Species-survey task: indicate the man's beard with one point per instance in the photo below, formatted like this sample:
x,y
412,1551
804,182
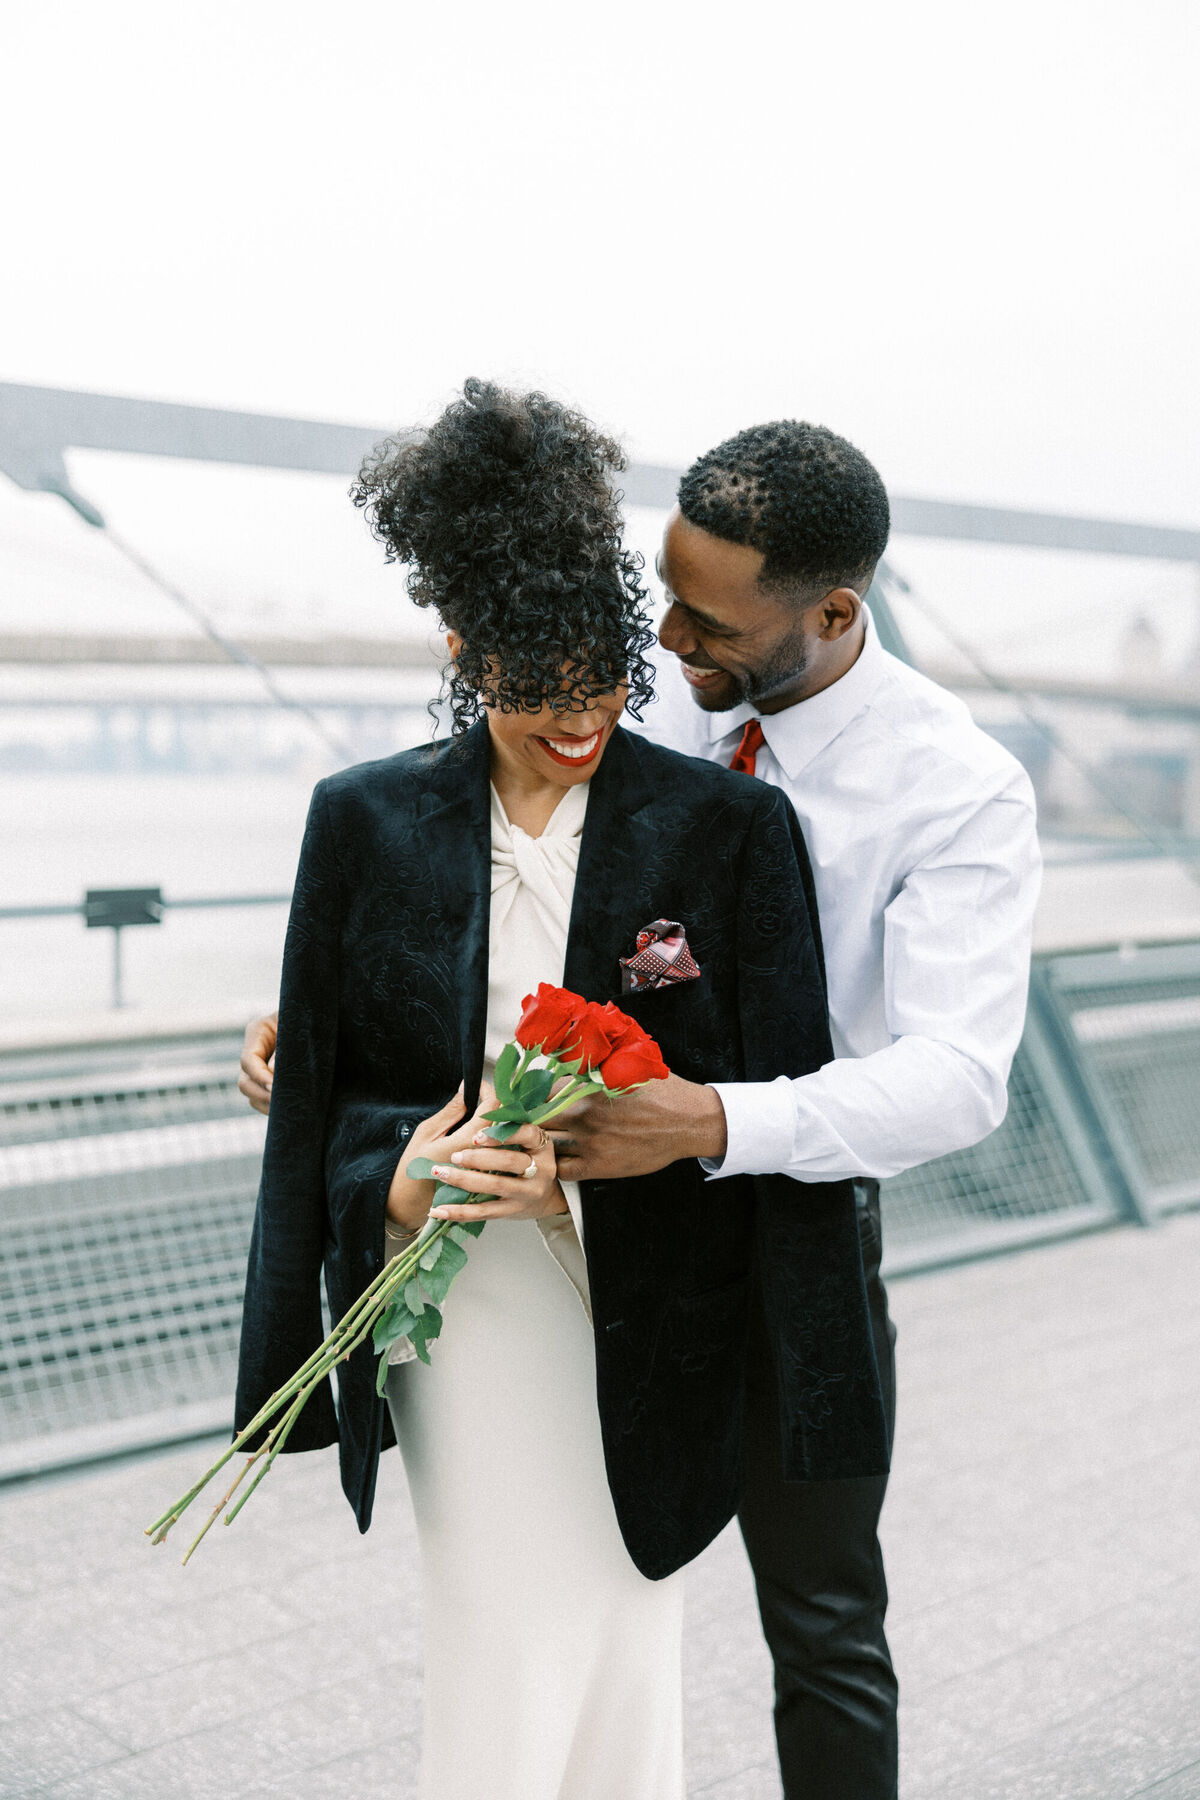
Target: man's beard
x,y
785,665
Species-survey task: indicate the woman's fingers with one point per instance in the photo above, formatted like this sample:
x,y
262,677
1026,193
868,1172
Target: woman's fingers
x,y
503,1160
447,1115
481,1182
480,1209
529,1137
487,1101
258,1062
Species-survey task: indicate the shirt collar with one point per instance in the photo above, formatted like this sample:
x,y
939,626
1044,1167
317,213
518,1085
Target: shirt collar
x,y
798,733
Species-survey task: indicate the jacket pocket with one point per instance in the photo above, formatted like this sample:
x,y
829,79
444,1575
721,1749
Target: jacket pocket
x,y
643,1002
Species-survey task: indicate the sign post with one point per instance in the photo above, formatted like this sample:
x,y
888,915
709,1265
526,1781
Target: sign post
x,y
114,908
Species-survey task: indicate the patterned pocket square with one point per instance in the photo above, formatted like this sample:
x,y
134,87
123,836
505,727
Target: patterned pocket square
x,y
661,959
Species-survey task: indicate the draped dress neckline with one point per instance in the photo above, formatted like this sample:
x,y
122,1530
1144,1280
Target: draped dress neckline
x,y
533,887
532,890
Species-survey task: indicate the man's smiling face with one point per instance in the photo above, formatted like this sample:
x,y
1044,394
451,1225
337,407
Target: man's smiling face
x,y
736,639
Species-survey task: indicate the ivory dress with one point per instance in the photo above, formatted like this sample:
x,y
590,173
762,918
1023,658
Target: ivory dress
x,y
552,1666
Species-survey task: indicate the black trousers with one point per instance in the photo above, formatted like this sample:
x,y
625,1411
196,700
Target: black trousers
x,y
818,1570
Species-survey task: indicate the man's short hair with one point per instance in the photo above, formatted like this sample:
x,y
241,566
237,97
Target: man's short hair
x,y
808,500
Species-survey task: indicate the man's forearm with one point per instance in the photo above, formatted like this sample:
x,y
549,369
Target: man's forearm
x,y
871,1116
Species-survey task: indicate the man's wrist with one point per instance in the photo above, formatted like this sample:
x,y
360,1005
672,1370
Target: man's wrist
x,y
709,1133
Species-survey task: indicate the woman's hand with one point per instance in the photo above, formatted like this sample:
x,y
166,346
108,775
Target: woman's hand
x,y
521,1174
258,1061
438,1137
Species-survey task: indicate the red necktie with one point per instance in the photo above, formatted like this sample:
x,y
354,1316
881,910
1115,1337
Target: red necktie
x,y
748,749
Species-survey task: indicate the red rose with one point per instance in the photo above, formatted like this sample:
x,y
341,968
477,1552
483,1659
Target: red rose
x,y
634,1057
591,1037
548,1017
633,1064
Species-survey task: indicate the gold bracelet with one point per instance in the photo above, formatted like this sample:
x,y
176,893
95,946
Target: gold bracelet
x,y
401,1232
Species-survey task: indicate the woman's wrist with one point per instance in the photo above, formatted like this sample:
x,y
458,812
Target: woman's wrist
x,y
408,1202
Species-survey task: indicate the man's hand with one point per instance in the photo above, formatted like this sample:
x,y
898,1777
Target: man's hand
x,y
660,1123
258,1061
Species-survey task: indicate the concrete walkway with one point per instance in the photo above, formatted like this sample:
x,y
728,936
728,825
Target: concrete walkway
x,y
1043,1533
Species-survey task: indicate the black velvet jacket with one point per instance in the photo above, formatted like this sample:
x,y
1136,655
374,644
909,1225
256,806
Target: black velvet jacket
x,y
382,1011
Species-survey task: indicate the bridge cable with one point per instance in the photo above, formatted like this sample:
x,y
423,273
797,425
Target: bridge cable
x,y
234,651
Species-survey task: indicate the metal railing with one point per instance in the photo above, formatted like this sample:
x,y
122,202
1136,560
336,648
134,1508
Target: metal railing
x,y
109,909
1131,1020
128,1174
1042,1175
127,1183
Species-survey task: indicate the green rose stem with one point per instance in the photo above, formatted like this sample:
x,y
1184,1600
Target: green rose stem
x,y
357,1324
343,1340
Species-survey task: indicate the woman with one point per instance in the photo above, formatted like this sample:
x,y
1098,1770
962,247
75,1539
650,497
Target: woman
x,y
577,1437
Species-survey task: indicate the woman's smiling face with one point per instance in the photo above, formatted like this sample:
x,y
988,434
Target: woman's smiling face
x,y
549,746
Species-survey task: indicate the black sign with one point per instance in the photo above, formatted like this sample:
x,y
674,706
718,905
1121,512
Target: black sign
x,y
115,907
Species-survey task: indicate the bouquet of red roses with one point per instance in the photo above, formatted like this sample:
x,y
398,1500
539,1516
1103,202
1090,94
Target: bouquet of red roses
x,y
565,1048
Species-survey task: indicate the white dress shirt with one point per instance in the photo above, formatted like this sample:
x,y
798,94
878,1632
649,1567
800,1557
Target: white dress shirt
x,y
921,831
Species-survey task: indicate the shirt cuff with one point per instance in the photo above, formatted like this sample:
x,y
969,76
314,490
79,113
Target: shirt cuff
x,y
760,1124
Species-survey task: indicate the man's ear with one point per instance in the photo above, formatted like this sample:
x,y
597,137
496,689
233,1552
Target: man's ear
x,y
839,611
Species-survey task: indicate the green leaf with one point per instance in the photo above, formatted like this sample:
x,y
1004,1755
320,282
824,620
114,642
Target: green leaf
x,y
430,1256
381,1377
419,1169
427,1328
505,1130
506,1064
412,1297
445,1195
470,1228
534,1088
397,1322
437,1281
454,1257
517,1113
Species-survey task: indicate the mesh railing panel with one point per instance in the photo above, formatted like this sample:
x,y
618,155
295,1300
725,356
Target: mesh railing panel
x,y
127,1183
1021,1182
125,1214
1139,1044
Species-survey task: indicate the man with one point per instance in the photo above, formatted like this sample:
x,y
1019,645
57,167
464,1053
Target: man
x,y
921,834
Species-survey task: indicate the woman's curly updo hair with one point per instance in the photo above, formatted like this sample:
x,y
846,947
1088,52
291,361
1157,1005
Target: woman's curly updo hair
x,y
505,514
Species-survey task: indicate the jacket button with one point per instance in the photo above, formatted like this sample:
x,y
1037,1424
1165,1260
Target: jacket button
x,y
404,1132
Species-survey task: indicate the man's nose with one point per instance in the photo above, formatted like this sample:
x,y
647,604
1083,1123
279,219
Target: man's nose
x,y
674,634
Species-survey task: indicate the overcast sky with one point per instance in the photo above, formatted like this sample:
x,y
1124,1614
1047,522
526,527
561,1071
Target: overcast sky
x,y
964,236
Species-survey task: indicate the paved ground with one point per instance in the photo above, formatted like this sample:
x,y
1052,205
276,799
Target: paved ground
x,y
1043,1545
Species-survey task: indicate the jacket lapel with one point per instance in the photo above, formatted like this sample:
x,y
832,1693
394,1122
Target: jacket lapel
x,y
618,840
453,833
